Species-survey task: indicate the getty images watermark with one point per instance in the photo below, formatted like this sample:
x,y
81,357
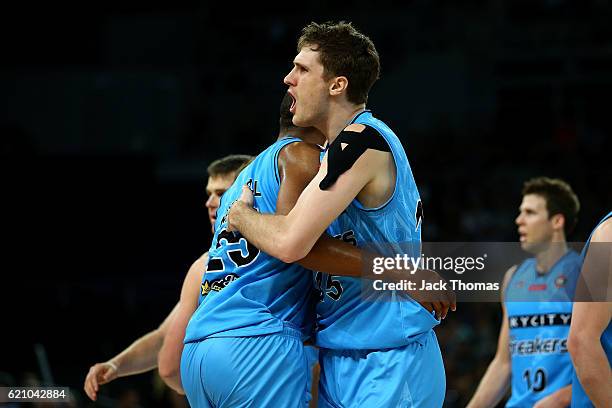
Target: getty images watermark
x,y
411,265
483,271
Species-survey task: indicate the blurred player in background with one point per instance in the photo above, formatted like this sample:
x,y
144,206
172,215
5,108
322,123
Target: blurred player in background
x,y
372,353
532,355
590,338
141,356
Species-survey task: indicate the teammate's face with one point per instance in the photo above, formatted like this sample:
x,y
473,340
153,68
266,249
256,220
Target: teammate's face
x,y
534,226
214,189
308,88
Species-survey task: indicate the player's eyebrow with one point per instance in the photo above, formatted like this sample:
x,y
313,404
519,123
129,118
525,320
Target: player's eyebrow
x,y
300,65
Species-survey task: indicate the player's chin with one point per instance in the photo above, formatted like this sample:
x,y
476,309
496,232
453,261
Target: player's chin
x,y
300,121
532,247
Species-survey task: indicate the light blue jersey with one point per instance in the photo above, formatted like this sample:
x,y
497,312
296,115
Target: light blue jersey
x,y
347,320
378,349
539,320
579,396
246,292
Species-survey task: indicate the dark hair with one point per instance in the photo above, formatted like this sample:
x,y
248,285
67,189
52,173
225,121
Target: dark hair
x,y
228,165
285,116
559,197
344,51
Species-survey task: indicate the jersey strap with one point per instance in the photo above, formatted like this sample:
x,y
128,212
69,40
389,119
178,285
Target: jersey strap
x,y
347,148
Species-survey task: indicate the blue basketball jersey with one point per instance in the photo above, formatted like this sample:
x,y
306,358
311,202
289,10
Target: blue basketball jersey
x,y
539,320
579,396
349,318
246,292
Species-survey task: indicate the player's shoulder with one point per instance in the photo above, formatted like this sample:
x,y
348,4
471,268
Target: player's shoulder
x,y
298,153
200,263
362,136
509,275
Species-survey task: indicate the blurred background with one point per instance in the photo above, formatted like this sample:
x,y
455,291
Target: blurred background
x,y
110,115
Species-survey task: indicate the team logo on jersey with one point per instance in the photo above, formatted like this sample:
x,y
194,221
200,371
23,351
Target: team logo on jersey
x,y
555,345
560,281
540,320
217,284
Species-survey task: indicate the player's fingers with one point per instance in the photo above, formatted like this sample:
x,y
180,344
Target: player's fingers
x,y
438,309
247,195
94,377
444,309
89,388
428,306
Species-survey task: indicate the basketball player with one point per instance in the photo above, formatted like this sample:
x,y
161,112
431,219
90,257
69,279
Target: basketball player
x,y
141,355
372,353
532,356
590,338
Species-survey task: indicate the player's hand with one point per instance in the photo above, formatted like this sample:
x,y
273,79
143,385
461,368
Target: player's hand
x,y
246,196
435,300
100,373
245,200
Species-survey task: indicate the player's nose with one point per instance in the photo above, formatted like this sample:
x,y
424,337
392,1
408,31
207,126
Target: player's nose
x,y
289,78
210,202
518,220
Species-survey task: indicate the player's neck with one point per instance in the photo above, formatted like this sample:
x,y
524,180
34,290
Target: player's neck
x,y
546,259
308,135
340,116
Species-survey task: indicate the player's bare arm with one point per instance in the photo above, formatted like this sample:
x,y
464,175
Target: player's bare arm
x,y
298,164
589,320
139,357
496,381
169,357
291,237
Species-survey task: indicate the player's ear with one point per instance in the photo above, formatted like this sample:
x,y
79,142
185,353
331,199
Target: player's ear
x,y
338,85
558,221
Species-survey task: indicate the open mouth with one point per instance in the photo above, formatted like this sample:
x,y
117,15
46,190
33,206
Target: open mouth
x,y
292,108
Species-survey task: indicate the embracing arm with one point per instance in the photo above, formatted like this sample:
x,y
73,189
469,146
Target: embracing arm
x,y
298,164
291,237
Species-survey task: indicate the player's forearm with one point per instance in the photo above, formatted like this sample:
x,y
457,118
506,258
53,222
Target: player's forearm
x,y
335,257
140,356
592,368
493,385
270,233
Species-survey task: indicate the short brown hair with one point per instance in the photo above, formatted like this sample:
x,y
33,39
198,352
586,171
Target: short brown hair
x,y
344,51
228,165
559,197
